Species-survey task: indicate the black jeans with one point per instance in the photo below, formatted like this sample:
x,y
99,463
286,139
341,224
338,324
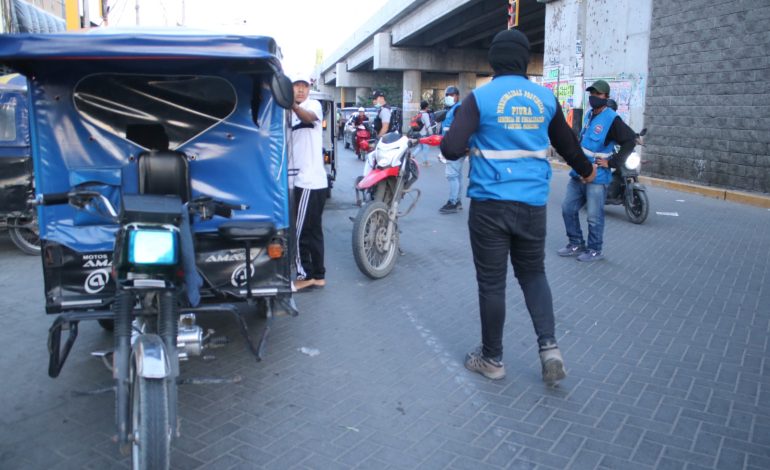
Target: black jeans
x,y
309,207
500,229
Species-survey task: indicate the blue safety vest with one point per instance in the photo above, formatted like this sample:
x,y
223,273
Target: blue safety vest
x,y
450,116
509,149
592,138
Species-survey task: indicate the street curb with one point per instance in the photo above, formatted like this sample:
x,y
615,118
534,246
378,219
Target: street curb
x,y
740,197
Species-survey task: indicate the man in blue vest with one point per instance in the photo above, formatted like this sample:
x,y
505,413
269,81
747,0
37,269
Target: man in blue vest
x,y
454,169
602,130
507,125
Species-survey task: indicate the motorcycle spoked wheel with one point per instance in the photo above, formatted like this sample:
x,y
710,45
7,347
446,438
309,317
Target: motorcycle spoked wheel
x,y
24,233
150,427
637,207
369,239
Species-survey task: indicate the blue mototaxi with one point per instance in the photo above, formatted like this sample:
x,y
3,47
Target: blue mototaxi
x,y
102,99
16,165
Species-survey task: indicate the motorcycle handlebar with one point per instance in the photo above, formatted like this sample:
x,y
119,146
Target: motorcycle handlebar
x,y
51,199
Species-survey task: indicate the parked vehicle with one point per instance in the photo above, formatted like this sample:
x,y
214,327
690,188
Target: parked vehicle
x,y
16,176
392,176
328,126
161,179
631,193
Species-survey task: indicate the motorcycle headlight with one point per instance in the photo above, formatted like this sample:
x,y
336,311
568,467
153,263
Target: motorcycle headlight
x,y
388,157
633,161
152,247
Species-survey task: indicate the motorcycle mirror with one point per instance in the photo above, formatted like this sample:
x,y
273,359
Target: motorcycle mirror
x,y
644,131
283,90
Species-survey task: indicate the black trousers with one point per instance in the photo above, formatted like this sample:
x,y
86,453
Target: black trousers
x,y
309,208
499,229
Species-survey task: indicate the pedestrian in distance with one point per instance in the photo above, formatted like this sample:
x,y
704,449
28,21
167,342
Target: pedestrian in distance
x,y
424,131
506,126
310,185
382,122
602,130
454,168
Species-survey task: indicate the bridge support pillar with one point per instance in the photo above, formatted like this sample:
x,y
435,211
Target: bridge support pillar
x,y
466,83
363,96
412,95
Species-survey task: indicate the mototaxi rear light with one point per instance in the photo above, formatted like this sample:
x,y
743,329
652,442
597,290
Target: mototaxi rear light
x,y
275,250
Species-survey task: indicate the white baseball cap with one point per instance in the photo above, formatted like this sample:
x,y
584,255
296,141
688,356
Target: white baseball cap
x,y
300,77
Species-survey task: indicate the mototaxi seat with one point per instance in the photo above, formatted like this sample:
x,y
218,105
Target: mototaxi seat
x,y
164,172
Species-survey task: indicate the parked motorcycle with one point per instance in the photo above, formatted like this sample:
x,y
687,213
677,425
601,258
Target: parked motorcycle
x,y
391,177
630,192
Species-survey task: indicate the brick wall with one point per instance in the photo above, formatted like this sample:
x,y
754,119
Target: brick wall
x,y
708,96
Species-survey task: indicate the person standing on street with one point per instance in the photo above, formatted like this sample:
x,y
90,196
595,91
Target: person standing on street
x,y
507,125
310,185
602,130
381,123
454,168
424,132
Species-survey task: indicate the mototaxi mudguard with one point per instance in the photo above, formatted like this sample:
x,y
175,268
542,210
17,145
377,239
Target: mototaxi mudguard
x,y
150,358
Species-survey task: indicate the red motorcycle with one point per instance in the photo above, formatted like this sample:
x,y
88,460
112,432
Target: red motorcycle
x,y
363,141
391,172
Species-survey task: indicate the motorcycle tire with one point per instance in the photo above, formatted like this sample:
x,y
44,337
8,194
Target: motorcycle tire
x,y
151,447
638,207
24,234
369,232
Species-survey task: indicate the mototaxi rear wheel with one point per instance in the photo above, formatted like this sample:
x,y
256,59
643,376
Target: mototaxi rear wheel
x,y
374,253
24,233
637,206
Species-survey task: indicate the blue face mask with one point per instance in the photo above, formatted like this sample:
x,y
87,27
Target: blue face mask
x,y
449,100
377,105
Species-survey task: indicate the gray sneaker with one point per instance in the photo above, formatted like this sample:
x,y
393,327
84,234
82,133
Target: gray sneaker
x,y
553,364
590,256
571,250
475,361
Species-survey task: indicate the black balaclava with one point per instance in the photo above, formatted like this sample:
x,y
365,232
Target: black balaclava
x,y
509,53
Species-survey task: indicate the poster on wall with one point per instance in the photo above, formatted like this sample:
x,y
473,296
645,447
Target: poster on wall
x,y
568,89
622,91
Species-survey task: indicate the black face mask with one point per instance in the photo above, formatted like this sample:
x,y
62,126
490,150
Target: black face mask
x,y
597,102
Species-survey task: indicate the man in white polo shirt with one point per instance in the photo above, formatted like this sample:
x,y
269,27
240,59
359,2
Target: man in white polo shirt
x,y
310,185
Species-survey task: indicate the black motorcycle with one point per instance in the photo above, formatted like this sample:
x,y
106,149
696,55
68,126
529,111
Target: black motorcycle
x,y
625,188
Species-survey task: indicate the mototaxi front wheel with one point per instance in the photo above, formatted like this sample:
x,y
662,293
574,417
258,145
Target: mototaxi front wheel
x,y
637,206
24,233
151,430
374,252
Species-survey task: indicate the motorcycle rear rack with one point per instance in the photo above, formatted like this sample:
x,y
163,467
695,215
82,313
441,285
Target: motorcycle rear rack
x,y
69,321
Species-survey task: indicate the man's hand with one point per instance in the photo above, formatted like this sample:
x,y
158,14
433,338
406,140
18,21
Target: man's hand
x,y
603,162
591,177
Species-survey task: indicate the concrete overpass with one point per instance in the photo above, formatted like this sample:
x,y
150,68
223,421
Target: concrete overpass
x,y
414,48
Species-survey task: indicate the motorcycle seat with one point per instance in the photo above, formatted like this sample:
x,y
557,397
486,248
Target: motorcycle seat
x,y
247,230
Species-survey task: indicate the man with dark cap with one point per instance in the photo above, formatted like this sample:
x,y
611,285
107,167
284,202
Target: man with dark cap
x,y
454,168
381,123
506,125
602,130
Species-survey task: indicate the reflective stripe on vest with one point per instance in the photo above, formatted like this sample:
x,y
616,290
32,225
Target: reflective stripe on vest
x,y
509,154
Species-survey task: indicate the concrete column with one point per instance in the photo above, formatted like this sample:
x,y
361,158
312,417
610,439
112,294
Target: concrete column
x,y
363,93
412,94
466,82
